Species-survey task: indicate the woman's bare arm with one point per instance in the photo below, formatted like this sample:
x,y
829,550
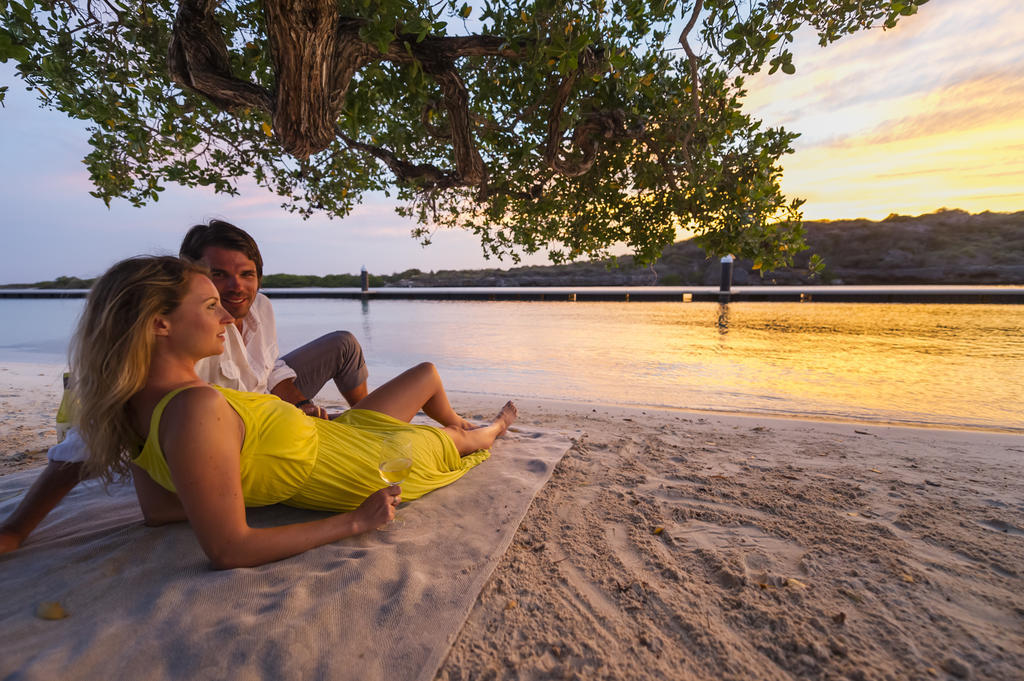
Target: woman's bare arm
x,y
201,436
159,506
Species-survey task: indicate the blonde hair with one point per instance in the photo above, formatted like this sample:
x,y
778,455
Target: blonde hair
x,y
112,349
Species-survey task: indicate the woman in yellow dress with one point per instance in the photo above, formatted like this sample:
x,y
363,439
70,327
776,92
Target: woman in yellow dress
x,y
202,453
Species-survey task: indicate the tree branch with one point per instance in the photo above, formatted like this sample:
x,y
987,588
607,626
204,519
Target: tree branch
x,y
469,166
694,87
198,60
605,124
316,54
304,41
453,47
351,54
690,56
426,175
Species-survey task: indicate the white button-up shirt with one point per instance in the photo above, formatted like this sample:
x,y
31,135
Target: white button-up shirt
x,y
250,360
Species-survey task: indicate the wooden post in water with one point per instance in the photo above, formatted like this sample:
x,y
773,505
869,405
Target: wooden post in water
x,y
725,285
364,280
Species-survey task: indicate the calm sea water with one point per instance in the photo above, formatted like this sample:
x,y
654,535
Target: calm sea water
x,y
956,365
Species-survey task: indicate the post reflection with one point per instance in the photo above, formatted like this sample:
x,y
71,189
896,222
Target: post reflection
x,y
364,308
723,319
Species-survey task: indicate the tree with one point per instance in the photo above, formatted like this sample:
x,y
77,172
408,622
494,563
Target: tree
x,y
565,124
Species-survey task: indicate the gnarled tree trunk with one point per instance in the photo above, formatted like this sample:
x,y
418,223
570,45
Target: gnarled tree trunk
x,y
316,53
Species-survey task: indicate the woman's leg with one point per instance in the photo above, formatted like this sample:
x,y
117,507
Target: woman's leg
x,y
417,388
420,388
469,440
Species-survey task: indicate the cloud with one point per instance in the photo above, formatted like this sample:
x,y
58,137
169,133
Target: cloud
x,y
992,99
957,170
867,77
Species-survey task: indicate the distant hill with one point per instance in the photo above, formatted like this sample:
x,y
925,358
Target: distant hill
x,y
945,247
58,283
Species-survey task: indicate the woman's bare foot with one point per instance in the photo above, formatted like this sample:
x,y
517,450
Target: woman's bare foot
x,y
482,437
506,417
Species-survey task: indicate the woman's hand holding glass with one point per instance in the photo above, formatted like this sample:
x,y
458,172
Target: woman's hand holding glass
x,y
394,463
379,508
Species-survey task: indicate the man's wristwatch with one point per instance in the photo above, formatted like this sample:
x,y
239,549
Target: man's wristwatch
x,y
303,403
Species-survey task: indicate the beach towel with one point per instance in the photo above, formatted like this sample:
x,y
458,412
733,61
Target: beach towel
x,y
143,603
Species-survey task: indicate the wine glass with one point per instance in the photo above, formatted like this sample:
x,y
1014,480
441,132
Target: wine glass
x,y
394,469
395,462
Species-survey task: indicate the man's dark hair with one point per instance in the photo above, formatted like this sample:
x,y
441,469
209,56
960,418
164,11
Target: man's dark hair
x,y
224,235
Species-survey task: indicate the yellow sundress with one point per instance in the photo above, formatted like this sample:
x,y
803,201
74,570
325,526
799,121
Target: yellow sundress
x,y
297,460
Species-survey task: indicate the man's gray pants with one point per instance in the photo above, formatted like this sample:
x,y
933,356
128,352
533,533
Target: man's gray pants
x,y
336,356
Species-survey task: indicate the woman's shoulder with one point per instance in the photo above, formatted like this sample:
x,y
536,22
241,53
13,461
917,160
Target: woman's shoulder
x,y
196,410
193,401
189,399
181,408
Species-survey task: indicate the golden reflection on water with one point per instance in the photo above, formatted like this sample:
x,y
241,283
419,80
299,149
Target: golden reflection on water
x,y
938,364
927,364
916,362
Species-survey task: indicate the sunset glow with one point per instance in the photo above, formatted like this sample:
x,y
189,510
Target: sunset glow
x,y
926,116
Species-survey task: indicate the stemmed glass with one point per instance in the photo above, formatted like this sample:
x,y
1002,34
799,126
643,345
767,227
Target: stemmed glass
x,y
394,469
395,462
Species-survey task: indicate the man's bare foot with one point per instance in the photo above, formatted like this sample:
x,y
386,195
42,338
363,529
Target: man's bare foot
x,y
506,417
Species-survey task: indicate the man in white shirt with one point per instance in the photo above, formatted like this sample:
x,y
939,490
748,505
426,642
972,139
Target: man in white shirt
x,y
250,362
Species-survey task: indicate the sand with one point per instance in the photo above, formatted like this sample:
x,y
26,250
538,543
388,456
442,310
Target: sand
x,y
678,545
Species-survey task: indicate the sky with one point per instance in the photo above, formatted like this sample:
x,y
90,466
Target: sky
x,y
925,116
929,115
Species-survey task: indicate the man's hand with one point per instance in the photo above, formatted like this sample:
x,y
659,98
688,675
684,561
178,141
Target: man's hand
x,y
287,391
9,540
52,485
310,409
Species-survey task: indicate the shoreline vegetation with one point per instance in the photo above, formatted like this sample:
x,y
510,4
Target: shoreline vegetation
x,y
945,247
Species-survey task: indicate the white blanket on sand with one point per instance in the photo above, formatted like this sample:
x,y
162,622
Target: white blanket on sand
x,y
142,602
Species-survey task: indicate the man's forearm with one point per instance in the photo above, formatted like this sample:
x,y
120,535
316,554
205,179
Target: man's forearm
x,y
52,485
287,391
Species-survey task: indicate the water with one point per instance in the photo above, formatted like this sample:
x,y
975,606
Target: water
x,y
949,365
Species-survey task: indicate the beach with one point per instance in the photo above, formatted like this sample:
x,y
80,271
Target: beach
x,y
686,545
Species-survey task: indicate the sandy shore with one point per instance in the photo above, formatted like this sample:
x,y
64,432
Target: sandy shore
x,y
29,395
674,545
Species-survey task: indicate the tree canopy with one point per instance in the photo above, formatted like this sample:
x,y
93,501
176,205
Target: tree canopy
x,y
570,125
